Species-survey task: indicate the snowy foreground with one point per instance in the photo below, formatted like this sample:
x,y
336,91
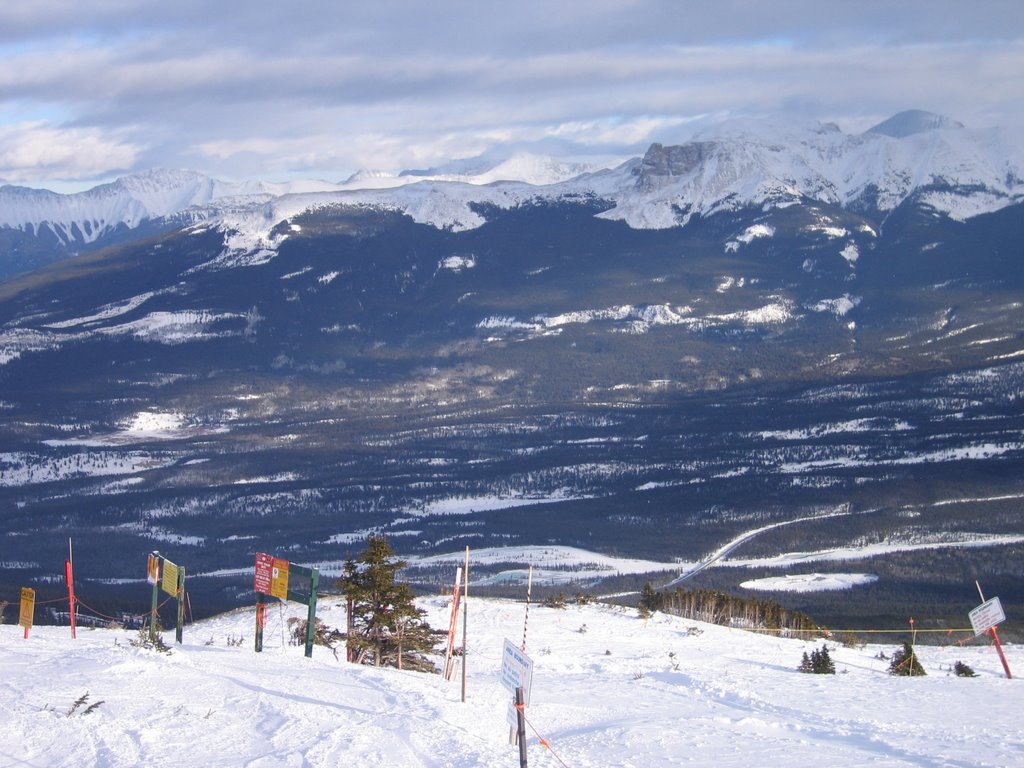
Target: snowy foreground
x,y
609,689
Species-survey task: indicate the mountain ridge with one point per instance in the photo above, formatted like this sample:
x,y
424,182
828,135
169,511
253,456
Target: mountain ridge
x,y
956,172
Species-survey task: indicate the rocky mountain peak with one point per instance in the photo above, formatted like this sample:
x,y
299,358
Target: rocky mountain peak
x,y
661,164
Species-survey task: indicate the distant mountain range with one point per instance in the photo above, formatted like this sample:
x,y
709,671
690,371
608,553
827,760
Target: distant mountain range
x,y
767,324
770,164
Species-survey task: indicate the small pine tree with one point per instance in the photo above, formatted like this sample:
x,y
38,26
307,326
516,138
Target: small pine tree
x,y
962,670
805,664
385,626
650,601
904,663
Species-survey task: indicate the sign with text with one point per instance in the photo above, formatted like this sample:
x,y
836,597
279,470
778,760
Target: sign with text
x,y
170,580
516,670
271,576
987,615
153,569
28,608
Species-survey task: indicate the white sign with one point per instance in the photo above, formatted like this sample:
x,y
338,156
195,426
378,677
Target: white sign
x,y
987,615
516,670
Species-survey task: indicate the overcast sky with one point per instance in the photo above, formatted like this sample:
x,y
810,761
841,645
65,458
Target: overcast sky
x,y
92,89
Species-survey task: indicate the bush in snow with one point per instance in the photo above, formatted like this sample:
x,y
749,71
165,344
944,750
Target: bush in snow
x,y
962,670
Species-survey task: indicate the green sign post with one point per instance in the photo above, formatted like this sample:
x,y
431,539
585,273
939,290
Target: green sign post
x,y
173,583
274,577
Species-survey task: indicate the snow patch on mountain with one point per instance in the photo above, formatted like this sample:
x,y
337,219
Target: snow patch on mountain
x,y
457,263
851,253
177,327
839,306
642,318
155,423
748,236
106,312
810,582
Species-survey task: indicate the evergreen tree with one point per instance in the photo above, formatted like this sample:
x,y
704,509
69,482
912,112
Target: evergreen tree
x,y
904,663
650,601
385,627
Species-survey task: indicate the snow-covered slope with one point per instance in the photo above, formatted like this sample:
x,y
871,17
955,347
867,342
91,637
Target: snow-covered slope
x,y
609,689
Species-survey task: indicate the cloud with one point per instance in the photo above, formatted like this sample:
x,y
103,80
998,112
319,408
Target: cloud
x,y
265,88
31,150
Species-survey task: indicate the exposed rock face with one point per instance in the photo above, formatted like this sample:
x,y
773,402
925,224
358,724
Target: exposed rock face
x,y
661,164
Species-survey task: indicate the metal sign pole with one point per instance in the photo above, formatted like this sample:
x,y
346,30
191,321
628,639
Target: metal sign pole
x,y
314,585
153,605
521,726
261,620
994,634
181,604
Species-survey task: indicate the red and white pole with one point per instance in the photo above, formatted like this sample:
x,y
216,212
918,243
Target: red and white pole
x,y
69,577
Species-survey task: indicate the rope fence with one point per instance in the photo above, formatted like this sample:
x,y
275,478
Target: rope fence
x,y
540,739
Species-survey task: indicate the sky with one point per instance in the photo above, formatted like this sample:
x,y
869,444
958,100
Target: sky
x,y
93,89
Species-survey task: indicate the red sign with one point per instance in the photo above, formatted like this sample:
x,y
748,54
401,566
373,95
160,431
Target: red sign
x,y
271,576
264,572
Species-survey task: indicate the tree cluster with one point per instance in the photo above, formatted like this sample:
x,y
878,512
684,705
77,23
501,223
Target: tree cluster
x,y
729,610
819,662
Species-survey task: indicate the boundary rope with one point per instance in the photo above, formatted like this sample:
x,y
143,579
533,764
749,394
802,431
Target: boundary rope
x,y
543,742
826,631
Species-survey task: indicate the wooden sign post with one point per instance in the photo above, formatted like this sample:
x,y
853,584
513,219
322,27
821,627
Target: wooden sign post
x,y
28,609
153,577
165,575
273,577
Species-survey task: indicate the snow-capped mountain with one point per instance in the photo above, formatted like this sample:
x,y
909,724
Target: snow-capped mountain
x,y
957,172
84,217
767,164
